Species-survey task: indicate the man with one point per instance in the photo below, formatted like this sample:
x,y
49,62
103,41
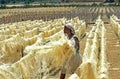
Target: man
x,y
75,60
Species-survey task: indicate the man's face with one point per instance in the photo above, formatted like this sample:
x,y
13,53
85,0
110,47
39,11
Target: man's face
x,y
67,32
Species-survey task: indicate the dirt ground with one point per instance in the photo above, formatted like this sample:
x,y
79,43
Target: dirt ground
x,y
113,53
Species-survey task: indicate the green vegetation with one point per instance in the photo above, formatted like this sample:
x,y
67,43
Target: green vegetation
x,y
51,3
30,1
117,2
46,1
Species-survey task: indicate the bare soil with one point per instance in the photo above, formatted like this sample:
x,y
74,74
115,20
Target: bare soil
x,y
113,53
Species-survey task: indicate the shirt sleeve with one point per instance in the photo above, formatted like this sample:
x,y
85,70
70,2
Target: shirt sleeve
x,y
76,46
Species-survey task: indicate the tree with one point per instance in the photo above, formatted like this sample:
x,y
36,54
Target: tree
x,y
13,1
117,2
27,2
62,0
2,1
65,0
109,0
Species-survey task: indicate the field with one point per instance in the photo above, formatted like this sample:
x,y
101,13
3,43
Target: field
x,y
33,46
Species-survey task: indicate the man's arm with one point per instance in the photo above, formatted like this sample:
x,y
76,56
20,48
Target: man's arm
x,y
77,46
